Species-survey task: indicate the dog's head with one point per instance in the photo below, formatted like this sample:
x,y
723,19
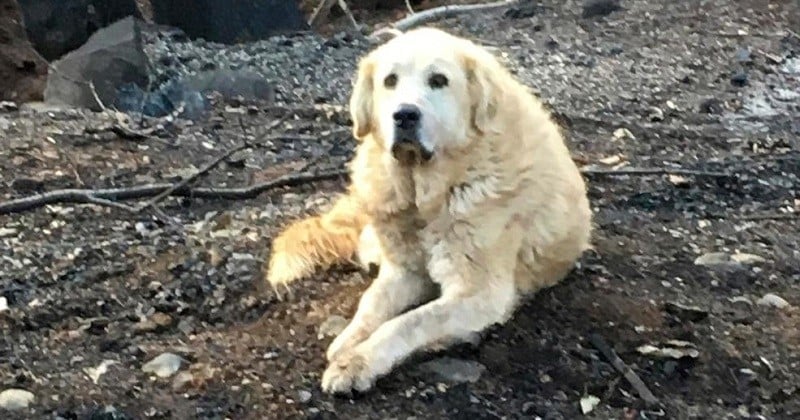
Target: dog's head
x,y
424,92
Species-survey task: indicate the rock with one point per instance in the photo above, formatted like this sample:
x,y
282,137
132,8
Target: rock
x,y
108,412
8,106
232,21
748,259
3,304
739,79
588,403
723,259
523,10
163,365
15,399
303,396
453,370
655,114
771,299
23,72
686,313
596,8
743,56
111,58
332,326
671,349
712,106
94,373
56,27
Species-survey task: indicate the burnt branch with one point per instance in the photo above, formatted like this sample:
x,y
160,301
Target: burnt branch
x,y
107,196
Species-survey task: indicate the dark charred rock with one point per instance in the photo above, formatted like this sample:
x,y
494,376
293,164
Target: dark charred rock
x,y
22,70
111,58
57,27
230,21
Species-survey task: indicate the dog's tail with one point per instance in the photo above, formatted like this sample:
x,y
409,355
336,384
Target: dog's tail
x,y
316,242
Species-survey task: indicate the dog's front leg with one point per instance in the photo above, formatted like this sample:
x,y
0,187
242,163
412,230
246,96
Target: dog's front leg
x,y
394,290
476,293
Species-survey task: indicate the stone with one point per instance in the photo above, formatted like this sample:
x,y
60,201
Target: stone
x,y
23,72
231,21
108,412
304,396
596,8
56,27
771,299
111,58
15,399
163,365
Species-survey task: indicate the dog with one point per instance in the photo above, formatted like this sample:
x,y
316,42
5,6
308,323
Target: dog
x,y
462,192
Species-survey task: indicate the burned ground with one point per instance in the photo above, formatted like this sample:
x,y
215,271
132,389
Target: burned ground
x,y
711,86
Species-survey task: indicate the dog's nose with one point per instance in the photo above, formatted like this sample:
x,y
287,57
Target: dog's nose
x,y
407,116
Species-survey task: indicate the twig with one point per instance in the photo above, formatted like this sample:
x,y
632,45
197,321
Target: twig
x,y
653,171
636,382
210,165
73,166
445,12
97,97
349,14
773,216
410,9
150,190
189,179
323,5
108,203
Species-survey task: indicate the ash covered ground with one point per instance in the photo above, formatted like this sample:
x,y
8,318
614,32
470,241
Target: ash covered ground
x,y
95,293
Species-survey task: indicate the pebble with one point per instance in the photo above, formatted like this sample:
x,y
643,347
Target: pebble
x,y
3,304
163,365
303,396
7,106
771,299
724,258
739,79
454,370
15,399
655,114
594,8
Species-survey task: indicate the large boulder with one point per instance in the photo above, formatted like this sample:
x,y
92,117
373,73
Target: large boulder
x,y
230,21
113,57
22,70
56,27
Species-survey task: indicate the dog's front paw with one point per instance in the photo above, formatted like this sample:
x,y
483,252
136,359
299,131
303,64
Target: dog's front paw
x,y
350,371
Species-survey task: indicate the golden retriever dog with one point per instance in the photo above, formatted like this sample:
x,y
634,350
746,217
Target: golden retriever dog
x,y
462,192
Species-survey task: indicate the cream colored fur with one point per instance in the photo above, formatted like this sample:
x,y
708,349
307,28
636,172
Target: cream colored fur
x,y
500,211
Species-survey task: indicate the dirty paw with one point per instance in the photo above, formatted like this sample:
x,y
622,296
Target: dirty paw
x,y
349,372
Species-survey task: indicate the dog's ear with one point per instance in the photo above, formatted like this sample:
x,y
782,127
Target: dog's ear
x,y
484,91
361,99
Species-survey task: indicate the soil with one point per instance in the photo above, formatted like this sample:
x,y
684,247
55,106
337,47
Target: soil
x,y
86,284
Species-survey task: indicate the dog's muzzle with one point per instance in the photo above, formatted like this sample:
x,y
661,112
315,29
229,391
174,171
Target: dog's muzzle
x,y
406,147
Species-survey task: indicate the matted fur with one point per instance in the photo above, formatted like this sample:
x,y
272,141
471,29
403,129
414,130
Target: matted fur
x,y
499,211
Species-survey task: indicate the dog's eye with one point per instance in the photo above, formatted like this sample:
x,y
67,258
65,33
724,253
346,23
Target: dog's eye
x,y
437,81
390,81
